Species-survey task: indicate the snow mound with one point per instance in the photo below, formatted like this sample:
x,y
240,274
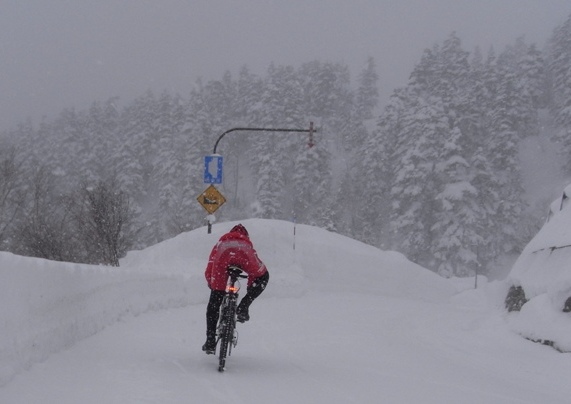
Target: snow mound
x,y
47,306
299,256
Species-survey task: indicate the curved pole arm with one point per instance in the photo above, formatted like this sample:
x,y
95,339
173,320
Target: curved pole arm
x,y
310,131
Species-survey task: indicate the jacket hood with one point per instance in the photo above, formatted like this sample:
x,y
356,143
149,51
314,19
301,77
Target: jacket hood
x,y
239,228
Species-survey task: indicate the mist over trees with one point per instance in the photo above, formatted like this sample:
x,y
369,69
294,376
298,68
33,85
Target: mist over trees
x,y
435,175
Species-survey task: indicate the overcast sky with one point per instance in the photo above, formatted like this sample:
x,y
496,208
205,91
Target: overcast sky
x,y
56,54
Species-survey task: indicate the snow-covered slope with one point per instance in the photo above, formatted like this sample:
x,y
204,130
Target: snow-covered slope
x,y
46,306
339,322
298,259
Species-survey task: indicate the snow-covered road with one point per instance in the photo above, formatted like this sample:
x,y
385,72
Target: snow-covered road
x,y
322,348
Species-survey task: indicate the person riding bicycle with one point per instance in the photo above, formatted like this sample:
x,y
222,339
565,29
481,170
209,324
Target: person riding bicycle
x,y
232,249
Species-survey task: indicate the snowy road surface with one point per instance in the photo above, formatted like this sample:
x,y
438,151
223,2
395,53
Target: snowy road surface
x,y
322,348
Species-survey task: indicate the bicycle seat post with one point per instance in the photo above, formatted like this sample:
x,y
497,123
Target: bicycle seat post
x,y
235,272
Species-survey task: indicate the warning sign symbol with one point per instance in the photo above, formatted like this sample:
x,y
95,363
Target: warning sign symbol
x,y
211,199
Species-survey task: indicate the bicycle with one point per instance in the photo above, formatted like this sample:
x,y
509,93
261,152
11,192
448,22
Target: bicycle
x,y
226,332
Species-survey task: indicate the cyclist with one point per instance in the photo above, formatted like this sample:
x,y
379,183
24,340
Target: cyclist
x,y
233,248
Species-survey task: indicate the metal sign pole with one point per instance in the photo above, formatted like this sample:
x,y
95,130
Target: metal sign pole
x,y
311,131
211,199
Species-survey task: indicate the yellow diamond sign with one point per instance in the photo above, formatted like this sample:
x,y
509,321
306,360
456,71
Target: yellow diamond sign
x,y
211,199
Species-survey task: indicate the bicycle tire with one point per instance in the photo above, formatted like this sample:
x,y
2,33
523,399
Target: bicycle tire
x,y
227,333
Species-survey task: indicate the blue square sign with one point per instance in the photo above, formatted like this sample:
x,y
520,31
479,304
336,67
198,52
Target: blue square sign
x,y
213,169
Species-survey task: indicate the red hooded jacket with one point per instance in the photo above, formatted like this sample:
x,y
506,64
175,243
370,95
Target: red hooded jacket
x,y
233,248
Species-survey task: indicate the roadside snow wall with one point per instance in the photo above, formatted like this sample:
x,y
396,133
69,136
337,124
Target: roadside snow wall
x,y
46,306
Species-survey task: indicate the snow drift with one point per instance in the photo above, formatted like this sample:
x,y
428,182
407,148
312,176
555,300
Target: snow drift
x,y
46,306
340,321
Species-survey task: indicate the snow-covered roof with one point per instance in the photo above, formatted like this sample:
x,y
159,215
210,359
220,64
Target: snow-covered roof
x,y
545,263
543,270
556,232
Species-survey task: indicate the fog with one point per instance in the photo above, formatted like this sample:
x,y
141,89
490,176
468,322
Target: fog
x,y
57,54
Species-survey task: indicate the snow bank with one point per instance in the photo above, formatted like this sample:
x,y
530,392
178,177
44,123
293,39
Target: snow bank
x,y
300,256
46,306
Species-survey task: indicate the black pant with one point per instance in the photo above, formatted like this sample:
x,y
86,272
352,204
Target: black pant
x,y
216,297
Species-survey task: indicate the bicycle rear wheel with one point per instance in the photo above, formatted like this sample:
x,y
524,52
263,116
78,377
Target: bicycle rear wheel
x,y
226,335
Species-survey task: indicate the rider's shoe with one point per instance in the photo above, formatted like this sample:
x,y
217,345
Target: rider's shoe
x,y
209,346
242,315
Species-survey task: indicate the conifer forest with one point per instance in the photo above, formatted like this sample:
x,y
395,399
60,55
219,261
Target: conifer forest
x,y
434,174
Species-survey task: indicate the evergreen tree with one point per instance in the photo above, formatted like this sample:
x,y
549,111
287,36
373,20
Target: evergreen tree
x,y
519,67
243,111
443,122
282,106
455,222
101,126
270,184
367,97
377,171
416,184
502,150
312,199
67,132
330,103
169,174
138,147
559,69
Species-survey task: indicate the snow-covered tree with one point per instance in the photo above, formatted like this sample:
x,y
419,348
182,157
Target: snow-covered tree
x,y
416,183
559,70
367,97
